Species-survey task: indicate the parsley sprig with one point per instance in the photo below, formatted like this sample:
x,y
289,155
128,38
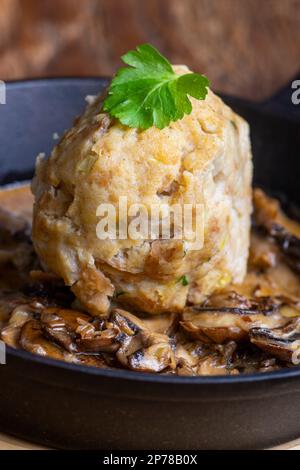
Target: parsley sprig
x,y
183,280
149,93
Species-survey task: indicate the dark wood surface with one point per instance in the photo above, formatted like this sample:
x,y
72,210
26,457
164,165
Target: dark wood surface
x,y
246,47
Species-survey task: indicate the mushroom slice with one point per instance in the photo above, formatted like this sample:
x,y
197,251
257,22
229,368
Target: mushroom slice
x,y
213,327
188,354
91,360
231,358
32,340
184,369
19,315
130,337
155,358
61,325
227,300
284,231
249,359
283,343
232,302
289,245
128,323
93,340
11,333
165,323
213,365
221,324
121,334
141,349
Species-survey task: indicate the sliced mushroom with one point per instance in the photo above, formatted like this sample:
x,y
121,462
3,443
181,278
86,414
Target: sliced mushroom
x,y
155,358
11,333
92,340
141,349
285,232
201,327
33,340
213,365
213,323
248,359
233,302
20,314
283,343
184,369
91,360
165,323
197,358
289,245
188,354
226,300
75,330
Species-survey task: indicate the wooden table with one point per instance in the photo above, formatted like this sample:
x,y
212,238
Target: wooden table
x,y
11,443
246,47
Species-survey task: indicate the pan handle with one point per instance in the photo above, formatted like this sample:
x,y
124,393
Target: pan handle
x,y
286,102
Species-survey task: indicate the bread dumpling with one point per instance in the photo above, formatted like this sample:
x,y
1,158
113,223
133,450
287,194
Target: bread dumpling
x,y
204,158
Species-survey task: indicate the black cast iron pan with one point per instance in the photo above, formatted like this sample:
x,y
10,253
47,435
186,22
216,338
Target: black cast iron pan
x,y
75,407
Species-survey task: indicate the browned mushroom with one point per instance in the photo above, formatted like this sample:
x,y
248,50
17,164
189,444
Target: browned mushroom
x,y
155,358
165,323
232,321
284,231
140,348
33,340
95,340
55,329
197,358
188,354
77,331
212,365
90,360
11,333
21,312
283,343
184,369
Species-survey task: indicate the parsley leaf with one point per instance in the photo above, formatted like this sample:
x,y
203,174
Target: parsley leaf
x,y
149,93
183,280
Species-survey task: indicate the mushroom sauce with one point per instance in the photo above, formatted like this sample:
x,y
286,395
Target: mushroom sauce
x,y
251,327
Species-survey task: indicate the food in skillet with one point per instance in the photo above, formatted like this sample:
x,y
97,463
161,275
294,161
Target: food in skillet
x,y
92,302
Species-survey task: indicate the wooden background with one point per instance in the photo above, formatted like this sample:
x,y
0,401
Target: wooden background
x,y
246,47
